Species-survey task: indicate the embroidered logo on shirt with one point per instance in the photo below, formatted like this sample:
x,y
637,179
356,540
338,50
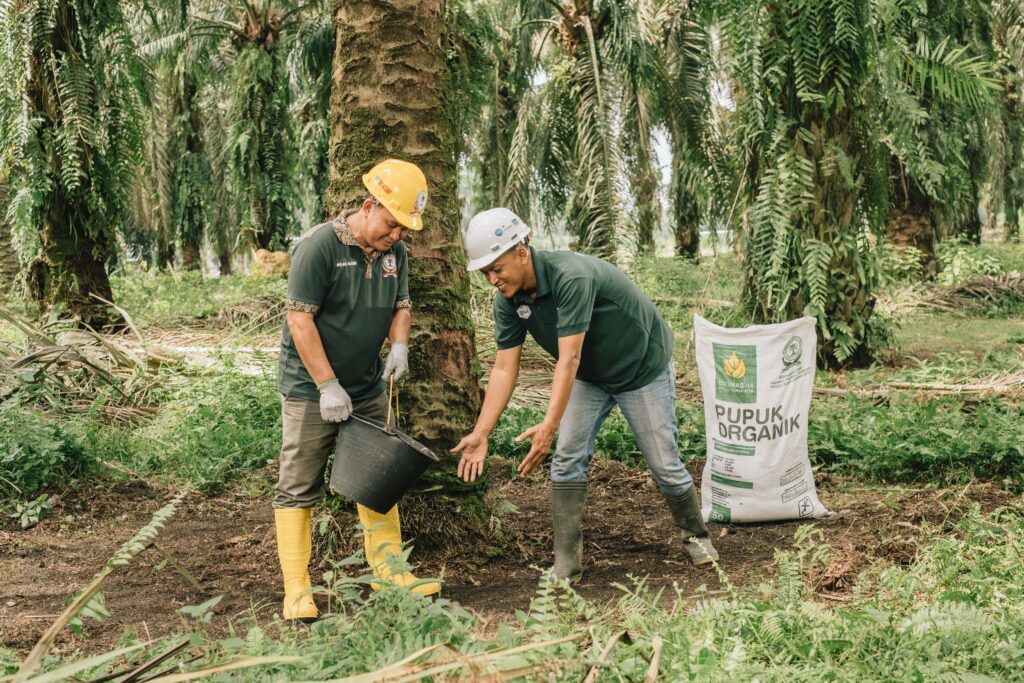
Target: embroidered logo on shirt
x,y
344,264
390,265
524,312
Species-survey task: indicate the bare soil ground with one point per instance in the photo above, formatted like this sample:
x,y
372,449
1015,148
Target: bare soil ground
x,y
226,542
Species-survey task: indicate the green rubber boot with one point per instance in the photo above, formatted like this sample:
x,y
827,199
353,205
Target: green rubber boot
x,y
568,508
686,514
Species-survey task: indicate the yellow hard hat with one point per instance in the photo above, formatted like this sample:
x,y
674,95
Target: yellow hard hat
x,y
401,188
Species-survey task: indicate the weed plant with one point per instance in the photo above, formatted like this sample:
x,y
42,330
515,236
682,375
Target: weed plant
x,y
209,431
36,453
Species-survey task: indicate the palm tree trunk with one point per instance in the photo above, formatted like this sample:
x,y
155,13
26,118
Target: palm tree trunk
x,y
192,222
911,224
70,269
396,104
645,190
10,266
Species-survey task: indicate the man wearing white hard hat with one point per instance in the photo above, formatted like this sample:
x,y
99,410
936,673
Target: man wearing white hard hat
x,y
348,291
612,348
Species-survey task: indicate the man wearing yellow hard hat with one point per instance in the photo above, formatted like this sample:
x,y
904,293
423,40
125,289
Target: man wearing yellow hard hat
x,y
348,290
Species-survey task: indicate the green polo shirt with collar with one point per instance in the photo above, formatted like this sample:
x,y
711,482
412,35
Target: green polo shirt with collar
x,y
627,343
353,299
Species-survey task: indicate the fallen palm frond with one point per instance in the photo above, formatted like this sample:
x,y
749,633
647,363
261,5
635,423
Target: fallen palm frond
x,y
996,385
252,316
485,665
989,290
985,291
1009,385
73,370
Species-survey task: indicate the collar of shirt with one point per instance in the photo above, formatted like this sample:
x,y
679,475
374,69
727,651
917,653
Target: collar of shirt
x,y
342,230
346,237
540,272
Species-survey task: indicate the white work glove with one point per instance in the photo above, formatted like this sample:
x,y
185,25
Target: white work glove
x,y
397,361
335,404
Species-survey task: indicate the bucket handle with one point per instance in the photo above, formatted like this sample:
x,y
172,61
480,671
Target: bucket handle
x,y
391,424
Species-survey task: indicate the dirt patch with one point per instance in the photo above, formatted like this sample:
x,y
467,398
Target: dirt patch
x,y
226,542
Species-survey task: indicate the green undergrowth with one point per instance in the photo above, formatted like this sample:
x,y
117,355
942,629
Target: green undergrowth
x,y
161,298
36,452
210,430
955,613
937,442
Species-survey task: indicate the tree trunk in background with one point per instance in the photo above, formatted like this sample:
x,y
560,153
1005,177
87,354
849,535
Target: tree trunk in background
x,y
164,251
10,266
911,222
389,99
71,265
224,259
971,228
644,184
70,269
1013,179
192,221
686,225
684,212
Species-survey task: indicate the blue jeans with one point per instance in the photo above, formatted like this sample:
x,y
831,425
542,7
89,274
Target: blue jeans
x,y
650,412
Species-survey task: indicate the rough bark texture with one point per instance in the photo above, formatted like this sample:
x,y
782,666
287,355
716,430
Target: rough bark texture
x,y
645,191
70,270
389,99
70,267
685,213
10,267
911,224
192,222
686,225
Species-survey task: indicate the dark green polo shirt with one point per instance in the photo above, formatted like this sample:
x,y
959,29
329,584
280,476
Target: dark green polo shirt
x,y
627,344
353,300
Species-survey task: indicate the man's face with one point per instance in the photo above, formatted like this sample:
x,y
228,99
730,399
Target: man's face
x,y
508,272
382,230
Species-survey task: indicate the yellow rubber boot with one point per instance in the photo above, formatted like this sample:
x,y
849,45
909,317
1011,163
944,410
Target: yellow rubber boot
x,y
382,538
294,546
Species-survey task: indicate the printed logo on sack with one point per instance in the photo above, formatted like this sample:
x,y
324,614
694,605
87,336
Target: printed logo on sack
x,y
735,372
390,265
792,352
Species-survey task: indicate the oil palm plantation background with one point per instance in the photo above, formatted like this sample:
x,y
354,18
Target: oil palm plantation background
x,y
809,135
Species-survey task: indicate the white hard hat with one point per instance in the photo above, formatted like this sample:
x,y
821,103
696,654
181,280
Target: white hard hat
x,y
490,234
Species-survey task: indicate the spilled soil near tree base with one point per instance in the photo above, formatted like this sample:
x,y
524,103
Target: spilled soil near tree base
x,y
226,544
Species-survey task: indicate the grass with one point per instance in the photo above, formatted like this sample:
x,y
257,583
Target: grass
x,y
160,298
211,430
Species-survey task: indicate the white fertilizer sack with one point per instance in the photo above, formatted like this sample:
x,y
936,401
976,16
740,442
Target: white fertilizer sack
x,y
757,384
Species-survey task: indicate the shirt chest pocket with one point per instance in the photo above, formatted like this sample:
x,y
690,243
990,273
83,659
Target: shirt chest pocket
x,y
545,315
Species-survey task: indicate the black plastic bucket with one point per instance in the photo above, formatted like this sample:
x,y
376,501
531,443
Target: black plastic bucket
x,y
375,464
